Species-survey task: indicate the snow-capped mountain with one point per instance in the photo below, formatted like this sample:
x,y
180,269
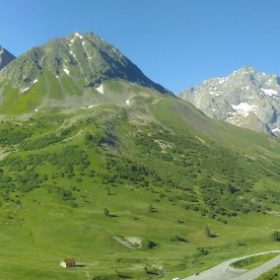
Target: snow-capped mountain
x,y
246,98
5,57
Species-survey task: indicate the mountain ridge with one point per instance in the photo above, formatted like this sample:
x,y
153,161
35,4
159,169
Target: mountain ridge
x,y
61,55
75,68
246,98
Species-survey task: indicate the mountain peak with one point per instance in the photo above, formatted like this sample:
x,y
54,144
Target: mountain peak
x,y
5,57
246,98
78,35
71,72
246,69
85,58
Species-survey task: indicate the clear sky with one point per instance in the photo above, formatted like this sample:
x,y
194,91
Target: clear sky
x,y
178,43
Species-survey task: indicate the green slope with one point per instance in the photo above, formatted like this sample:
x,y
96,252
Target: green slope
x,y
144,191
67,66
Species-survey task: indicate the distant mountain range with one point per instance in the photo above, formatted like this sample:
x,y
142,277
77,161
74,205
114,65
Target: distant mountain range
x,y
5,57
246,98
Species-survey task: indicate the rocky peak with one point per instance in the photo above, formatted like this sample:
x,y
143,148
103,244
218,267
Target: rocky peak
x,y
247,98
5,57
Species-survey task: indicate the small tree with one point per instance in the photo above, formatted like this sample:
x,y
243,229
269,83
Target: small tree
x,y
209,233
106,212
276,235
149,244
152,209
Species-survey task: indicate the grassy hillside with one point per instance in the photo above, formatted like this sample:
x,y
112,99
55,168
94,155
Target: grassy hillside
x,y
150,190
253,262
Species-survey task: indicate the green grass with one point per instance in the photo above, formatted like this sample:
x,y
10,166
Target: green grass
x,y
253,262
163,180
23,103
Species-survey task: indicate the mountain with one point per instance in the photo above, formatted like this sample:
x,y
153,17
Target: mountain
x,y
5,57
67,72
246,98
114,171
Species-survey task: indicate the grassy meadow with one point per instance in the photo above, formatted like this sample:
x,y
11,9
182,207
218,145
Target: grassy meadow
x,y
153,191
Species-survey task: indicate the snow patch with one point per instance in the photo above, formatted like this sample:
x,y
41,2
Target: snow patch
x,y
244,108
23,90
36,110
76,36
71,52
269,91
90,106
66,71
127,102
100,89
276,130
214,93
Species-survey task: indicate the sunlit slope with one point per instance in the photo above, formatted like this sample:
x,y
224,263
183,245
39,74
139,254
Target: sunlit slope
x,y
144,189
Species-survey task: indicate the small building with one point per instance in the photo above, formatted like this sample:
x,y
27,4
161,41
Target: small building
x,y
68,262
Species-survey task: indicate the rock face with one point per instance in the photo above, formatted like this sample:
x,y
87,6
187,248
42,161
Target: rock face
x,y
87,59
5,57
246,98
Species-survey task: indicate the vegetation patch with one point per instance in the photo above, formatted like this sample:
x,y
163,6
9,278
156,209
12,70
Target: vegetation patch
x,y
253,262
71,182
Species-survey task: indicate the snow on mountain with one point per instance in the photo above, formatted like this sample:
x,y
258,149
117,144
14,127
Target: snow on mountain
x,y
246,98
244,108
269,92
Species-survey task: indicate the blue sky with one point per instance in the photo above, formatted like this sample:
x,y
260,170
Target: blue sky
x,y
178,43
